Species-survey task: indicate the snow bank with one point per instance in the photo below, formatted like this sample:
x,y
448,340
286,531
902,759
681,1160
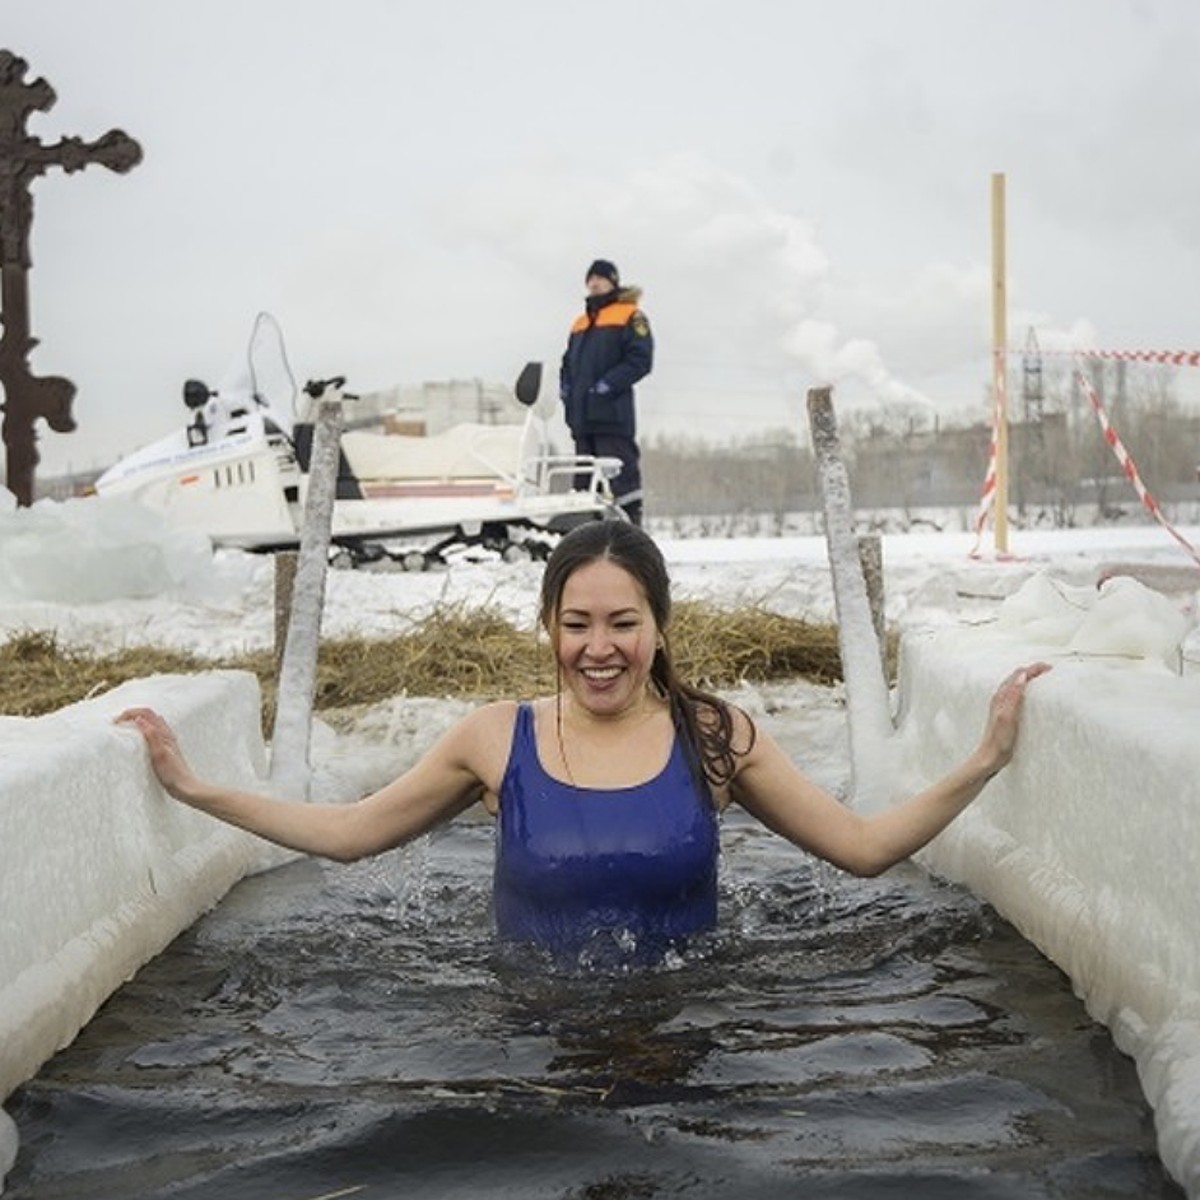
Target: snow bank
x,y
1087,842
98,870
90,549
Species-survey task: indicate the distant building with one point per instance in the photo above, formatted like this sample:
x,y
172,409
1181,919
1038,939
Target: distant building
x,y
63,487
925,467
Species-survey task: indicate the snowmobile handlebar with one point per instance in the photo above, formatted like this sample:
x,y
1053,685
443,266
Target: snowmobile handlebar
x,y
316,388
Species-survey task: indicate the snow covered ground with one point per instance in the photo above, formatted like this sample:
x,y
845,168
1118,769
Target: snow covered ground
x,y
1086,844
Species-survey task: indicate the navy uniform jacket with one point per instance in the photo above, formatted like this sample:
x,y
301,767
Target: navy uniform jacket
x,y
611,343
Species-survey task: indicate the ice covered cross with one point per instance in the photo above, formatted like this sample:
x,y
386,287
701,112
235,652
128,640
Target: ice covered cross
x,y
22,159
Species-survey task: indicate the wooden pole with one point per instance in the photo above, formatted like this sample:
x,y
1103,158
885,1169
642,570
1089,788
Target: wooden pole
x,y
285,582
870,556
1000,363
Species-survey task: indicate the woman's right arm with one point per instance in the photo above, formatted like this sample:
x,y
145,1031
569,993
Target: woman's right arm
x,y
772,788
449,778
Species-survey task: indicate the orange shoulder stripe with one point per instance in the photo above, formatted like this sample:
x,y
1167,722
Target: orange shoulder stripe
x,y
616,314
619,313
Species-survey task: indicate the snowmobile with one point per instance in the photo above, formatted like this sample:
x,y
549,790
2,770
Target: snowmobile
x,y
237,471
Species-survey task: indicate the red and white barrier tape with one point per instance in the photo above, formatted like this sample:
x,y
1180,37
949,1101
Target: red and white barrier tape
x,y
1188,358
1128,466
988,499
1172,358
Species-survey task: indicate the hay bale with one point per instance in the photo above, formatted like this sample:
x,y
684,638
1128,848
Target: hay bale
x,y
456,651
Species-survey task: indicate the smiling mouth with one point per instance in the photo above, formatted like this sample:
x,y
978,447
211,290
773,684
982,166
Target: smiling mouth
x,y
600,674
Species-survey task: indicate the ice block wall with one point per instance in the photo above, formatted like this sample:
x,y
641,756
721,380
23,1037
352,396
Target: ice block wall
x,y
99,869
1088,843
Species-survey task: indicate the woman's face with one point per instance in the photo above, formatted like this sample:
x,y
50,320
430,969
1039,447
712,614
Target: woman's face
x,y
605,637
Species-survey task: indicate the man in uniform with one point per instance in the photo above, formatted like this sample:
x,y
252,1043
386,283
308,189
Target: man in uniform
x,y
609,349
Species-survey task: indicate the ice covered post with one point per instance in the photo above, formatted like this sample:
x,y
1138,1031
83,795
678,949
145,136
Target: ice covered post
x,y
27,398
298,670
867,700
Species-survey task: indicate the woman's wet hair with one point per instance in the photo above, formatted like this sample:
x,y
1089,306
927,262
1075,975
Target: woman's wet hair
x,y
620,542
706,720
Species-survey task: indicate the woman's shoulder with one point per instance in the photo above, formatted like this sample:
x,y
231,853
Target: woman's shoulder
x,y
480,741
494,722
498,717
480,727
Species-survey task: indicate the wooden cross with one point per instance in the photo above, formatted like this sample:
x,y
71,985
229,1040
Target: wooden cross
x,y
22,159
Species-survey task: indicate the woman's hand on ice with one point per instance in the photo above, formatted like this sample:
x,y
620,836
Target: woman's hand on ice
x,y
165,756
1004,716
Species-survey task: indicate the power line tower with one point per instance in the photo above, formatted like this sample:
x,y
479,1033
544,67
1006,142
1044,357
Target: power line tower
x,y
1032,390
1031,463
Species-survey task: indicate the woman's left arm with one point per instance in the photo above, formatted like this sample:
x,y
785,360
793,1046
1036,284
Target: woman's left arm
x,y
773,789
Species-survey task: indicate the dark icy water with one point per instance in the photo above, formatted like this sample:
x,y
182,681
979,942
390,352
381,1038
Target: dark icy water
x,y
355,1031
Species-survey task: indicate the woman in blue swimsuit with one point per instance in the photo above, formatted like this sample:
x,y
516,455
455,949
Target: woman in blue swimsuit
x,y
606,793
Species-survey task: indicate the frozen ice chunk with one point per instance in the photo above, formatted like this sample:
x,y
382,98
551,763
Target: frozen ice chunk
x,y
1122,619
1046,610
86,550
1130,620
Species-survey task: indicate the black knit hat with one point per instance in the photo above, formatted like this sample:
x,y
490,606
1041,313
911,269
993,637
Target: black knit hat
x,y
606,270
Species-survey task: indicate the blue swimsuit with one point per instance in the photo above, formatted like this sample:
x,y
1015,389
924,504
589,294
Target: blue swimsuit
x,y
635,866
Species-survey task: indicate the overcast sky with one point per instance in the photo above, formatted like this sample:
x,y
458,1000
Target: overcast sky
x,y
414,191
